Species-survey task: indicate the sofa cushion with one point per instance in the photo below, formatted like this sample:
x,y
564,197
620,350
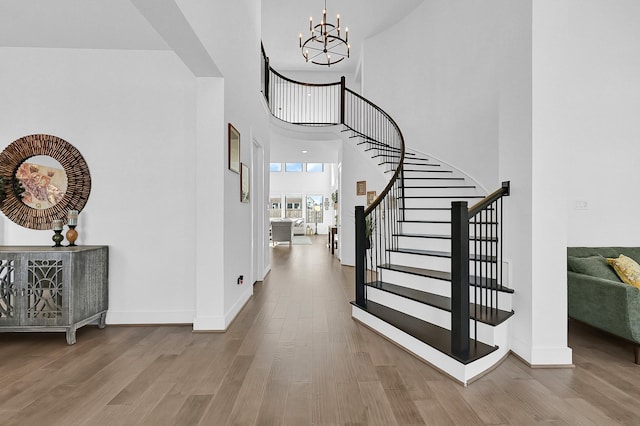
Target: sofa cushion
x,y
595,266
627,269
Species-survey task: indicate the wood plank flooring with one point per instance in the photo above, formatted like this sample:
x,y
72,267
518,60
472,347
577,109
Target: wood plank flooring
x,y
294,356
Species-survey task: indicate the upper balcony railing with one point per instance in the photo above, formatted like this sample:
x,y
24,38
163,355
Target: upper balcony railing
x,y
333,104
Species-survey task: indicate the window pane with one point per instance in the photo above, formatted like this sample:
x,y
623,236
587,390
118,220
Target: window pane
x,y
293,167
276,207
293,206
275,167
315,167
314,209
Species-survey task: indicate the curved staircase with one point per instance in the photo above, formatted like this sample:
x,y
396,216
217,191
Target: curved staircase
x,y
429,268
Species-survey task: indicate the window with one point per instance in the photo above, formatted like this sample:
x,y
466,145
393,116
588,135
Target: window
x,y
293,205
315,167
275,167
275,206
293,167
314,209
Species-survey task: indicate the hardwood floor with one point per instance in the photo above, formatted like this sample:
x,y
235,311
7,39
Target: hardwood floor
x,y
294,356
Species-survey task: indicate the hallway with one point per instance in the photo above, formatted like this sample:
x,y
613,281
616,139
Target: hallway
x,y
294,356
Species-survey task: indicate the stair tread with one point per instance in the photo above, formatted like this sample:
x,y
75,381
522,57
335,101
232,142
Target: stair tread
x,y
437,337
439,187
482,313
447,254
409,163
421,252
445,221
444,237
441,196
425,208
431,273
433,178
483,282
427,171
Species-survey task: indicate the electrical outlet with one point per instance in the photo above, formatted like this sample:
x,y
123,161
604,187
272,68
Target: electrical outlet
x,y
582,205
240,279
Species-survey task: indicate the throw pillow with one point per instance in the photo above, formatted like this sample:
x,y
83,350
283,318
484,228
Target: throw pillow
x,y
627,269
595,266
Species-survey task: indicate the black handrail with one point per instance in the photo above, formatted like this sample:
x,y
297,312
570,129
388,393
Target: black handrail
x,y
503,191
399,168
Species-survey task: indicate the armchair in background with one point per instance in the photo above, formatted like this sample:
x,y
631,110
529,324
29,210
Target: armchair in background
x,y
281,231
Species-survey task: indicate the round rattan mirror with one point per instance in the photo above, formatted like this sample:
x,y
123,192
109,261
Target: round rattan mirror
x,y
44,198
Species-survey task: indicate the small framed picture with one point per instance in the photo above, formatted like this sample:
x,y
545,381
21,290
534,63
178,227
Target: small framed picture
x,y
371,195
361,187
244,183
234,149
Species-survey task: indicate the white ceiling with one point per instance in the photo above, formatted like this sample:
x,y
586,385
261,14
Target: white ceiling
x,y
82,24
118,24
283,20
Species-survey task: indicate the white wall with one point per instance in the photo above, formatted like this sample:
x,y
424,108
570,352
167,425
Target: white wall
x,y
435,73
481,88
355,166
155,139
236,52
131,115
602,82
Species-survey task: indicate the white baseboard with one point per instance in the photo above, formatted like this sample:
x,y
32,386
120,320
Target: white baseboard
x,y
220,323
542,356
149,317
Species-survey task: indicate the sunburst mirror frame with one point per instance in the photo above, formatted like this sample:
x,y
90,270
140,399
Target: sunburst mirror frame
x,y
78,179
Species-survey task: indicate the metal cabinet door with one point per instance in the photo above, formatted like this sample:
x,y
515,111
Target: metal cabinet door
x,y
44,279
10,312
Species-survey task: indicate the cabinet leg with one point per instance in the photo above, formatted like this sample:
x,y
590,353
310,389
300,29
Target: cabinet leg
x,y
71,336
102,322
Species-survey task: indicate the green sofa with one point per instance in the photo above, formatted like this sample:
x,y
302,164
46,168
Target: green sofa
x,y
597,296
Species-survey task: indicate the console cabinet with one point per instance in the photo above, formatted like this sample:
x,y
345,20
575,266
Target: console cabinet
x,y
53,288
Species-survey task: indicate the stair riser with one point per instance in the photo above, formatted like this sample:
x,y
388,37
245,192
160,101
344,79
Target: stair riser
x,y
439,263
425,172
426,228
427,214
416,282
415,189
443,288
428,313
444,228
425,243
437,202
420,261
504,301
421,179
444,244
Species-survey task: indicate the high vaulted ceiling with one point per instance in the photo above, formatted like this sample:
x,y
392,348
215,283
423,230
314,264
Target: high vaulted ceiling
x,y
283,20
119,24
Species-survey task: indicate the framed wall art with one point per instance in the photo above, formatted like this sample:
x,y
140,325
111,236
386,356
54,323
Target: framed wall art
x,y
234,149
371,195
244,183
361,187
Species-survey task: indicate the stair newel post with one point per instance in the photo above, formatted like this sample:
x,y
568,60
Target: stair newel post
x,y
343,90
460,279
361,254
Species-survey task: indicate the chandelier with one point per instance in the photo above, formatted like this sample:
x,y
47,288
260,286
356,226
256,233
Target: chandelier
x,y
325,46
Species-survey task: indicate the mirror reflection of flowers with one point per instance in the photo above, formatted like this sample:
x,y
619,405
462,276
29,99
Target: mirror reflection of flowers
x,y
37,185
